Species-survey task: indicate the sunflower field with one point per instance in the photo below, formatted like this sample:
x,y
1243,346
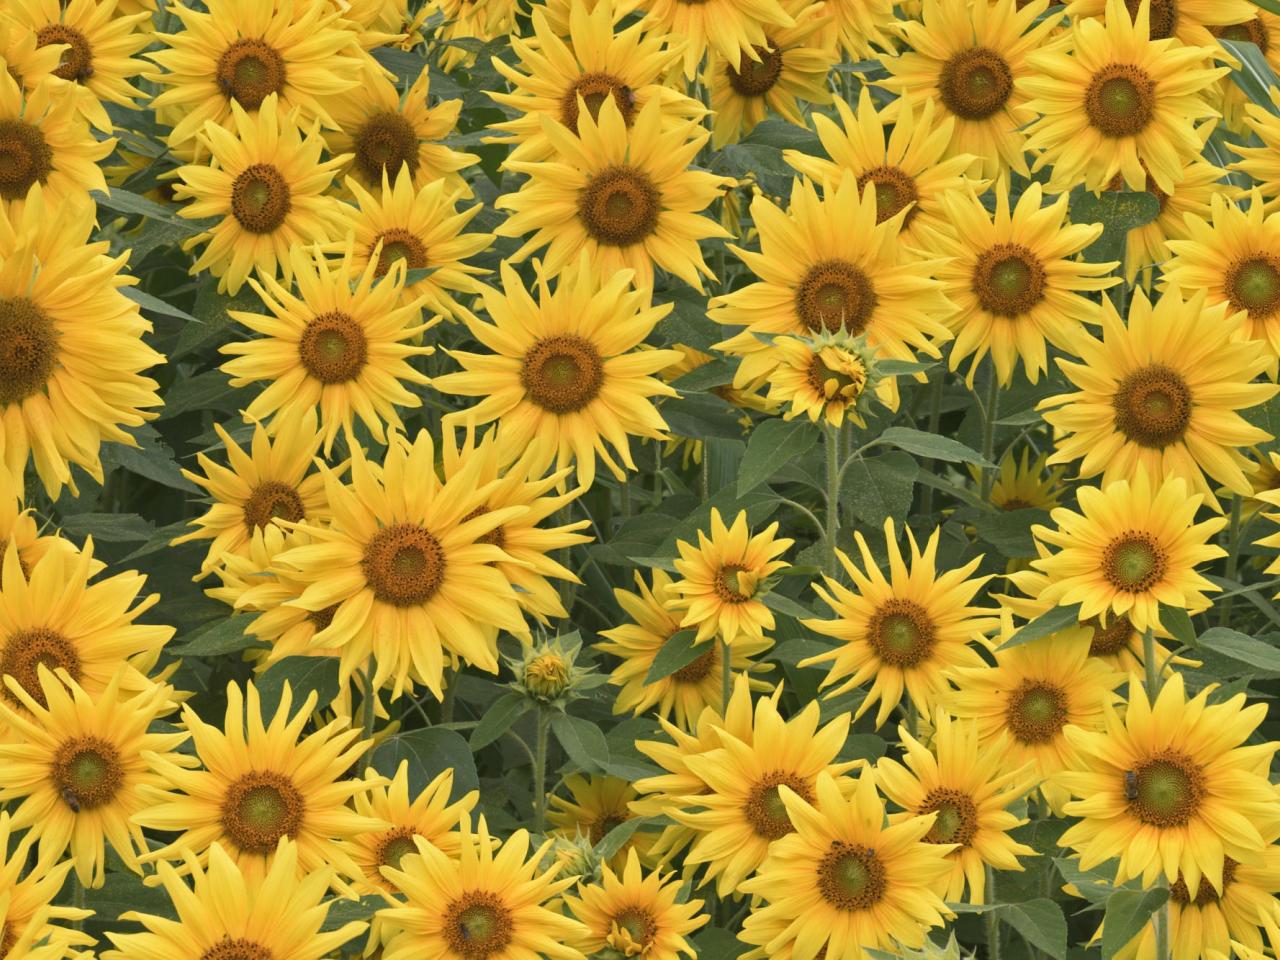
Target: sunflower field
x,y
661,479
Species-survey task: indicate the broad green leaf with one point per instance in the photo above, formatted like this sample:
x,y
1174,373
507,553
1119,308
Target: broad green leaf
x,y
617,838
1009,531
702,415
1093,885
1254,75
109,527
342,911
1241,648
1178,622
430,752
878,488
718,943
1041,924
714,374
123,201
1271,6
784,604
304,675
155,305
1118,212
1128,911
677,653
932,445
151,458
220,638
582,741
497,720
205,391
1049,622
772,444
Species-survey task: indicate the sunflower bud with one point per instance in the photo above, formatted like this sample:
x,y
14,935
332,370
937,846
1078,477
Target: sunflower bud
x,y
575,857
548,672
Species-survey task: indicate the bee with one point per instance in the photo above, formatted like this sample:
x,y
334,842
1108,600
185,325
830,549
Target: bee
x,y
85,74
227,86
1130,786
70,799
628,96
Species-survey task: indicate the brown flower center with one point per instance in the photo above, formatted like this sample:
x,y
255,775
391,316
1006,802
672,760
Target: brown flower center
x,y
77,60
755,78
477,925
384,143
1111,638
322,619
404,565
1253,284
728,586
836,295
260,198
1205,894
1036,712
975,84
333,348
25,158
639,923
1008,280
595,89
851,878
901,633
957,820
87,772
396,844
271,500
1134,562
239,949
1168,788
26,650
599,828
843,385
895,190
1164,16
398,244
698,670
620,206
28,350
1120,100
494,537
1251,31
259,809
249,71
562,374
1153,406
764,809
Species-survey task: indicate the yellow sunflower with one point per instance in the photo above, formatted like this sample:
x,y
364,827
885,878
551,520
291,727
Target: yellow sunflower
x,y
33,926
565,380
1192,22
267,185
636,914
229,911
261,780
489,900
844,880
731,29
907,168
862,26
1259,162
1025,484
1117,103
723,580
1172,789
904,631
830,265
598,805
82,766
1133,547
341,345
1260,28
1191,199
1029,697
696,685
26,61
469,20
18,526
1017,280
405,574
625,196
592,61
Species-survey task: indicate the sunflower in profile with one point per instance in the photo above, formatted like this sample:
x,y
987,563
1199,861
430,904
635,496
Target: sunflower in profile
x,y
408,580
34,928
239,53
623,195
470,20
260,780
724,578
1016,280
80,767
907,167
565,379
831,265
1172,788
844,880
594,807
592,61
904,631
267,185
1132,548
731,29
1025,702
696,685
231,912
341,345
1191,199
490,900
1116,102
1195,23
636,913
1259,162
1022,483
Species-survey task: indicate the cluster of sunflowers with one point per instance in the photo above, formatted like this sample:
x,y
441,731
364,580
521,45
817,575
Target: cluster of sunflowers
x,y
394,343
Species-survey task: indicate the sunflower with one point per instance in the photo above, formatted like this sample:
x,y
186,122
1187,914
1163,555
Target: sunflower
x,y
861,26
469,20
741,810
1118,103
341,345
1194,23
424,228
731,29
1260,28
260,782
272,482
26,61
1234,258
636,914
230,912
1133,547
1016,280
28,915
792,65
1191,200
1029,697
724,578
1171,789
598,805
1259,162
81,767
906,168
406,574
687,691
489,900
843,880
18,526
241,52
429,815
565,380
559,13
1025,484
625,196
830,265
593,62
267,186
905,630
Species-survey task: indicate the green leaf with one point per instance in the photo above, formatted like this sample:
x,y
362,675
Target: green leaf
x,y
617,838
123,201
342,911
780,603
582,741
678,652
701,416
1118,212
210,390
151,458
773,443
155,305
1178,622
1241,648
1093,885
1041,924
932,445
1009,531
430,752
219,638
714,374
719,944
879,488
1271,6
1049,622
497,720
1128,911
109,527
304,675
1254,76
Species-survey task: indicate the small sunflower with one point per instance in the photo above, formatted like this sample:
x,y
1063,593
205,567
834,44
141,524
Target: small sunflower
x,y
625,196
565,380
1016,280
862,28
340,345
19,527
731,29
598,805
904,631
470,20
1117,103
490,900
1194,23
1148,245
723,580
636,914
1022,483
1133,547
1172,789
1262,29
1259,162
32,927
844,880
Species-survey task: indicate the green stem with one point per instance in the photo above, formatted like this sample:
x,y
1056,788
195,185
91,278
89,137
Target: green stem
x,y
989,434
935,419
726,675
624,497
1233,557
450,697
367,706
540,772
993,921
1162,933
657,472
1149,662
832,445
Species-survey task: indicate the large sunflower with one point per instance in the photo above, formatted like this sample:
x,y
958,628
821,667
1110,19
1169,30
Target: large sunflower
x,y
1131,549
1016,280
626,196
1192,22
32,927
904,631
341,345
733,29
830,264
1172,789
1117,103
565,380
844,880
